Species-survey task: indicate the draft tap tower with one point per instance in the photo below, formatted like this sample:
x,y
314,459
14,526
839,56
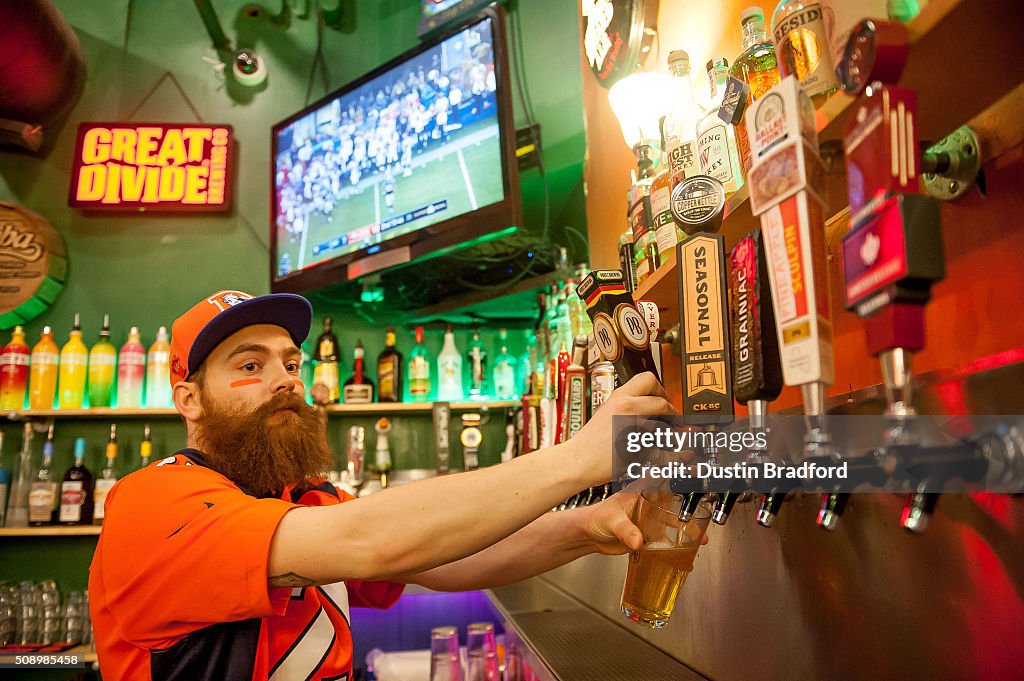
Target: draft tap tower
x,y
786,181
893,252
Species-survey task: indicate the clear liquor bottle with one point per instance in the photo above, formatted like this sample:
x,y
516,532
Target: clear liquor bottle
x,y
504,370
716,141
42,495
476,357
449,369
757,66
419,370
680,124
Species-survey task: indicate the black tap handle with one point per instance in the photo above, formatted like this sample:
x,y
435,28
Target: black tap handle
x,y
918,511
770,505
723,507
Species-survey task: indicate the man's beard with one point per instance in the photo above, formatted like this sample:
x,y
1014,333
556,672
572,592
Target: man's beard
x,y
264,450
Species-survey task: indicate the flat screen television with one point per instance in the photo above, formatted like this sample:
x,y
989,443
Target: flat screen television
x,y
414,159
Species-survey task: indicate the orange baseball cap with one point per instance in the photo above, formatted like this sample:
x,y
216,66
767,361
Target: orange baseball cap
x,y
197,332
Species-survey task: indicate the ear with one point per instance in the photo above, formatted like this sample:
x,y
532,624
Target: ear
x,y
186,400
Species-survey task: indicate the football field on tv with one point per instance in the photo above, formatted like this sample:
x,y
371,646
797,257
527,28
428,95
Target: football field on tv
x,y
465,172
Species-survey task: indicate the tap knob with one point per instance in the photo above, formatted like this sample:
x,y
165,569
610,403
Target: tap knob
x,y
690,505
770,505
918,510
832,507
723,507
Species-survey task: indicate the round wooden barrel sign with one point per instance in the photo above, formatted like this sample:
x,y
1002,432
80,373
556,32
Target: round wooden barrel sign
x,y
33,265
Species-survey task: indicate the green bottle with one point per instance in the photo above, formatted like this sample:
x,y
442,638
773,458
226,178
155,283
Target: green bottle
x,y
419,370
102,368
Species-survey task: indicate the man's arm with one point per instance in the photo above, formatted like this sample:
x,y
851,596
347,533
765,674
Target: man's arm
x,y
417,527
550,541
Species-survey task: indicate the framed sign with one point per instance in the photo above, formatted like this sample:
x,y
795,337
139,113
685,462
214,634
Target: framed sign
x,y
33,265
616,33
181,167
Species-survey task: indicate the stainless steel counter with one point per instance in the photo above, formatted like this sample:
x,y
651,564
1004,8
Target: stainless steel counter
x,y
567,641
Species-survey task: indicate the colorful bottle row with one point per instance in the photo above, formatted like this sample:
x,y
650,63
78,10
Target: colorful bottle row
x,y
75,376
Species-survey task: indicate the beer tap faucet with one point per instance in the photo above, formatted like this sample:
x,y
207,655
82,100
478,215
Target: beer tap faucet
x,y
892,254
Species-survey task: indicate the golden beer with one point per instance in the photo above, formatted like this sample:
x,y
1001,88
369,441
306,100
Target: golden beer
x,y
654,577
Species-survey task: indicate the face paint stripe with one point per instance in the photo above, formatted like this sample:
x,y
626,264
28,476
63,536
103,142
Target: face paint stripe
x,y
244,382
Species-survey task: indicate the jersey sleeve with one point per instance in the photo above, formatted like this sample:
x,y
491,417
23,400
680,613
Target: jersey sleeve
x,y
183,548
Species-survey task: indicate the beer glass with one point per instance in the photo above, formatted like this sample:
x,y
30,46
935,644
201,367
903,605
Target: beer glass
x,y
482,653
657,571
445,664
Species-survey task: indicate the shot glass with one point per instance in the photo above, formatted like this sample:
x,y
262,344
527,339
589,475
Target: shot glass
x,y
657,571
445,664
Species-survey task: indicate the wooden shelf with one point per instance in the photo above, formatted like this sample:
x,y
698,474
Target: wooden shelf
x,y
412,407
347,409
96,412
55,531
963,59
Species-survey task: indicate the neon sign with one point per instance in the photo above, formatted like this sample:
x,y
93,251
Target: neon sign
x,y
152,166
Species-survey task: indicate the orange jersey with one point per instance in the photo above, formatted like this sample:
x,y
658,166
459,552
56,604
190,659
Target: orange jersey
x,y
178,584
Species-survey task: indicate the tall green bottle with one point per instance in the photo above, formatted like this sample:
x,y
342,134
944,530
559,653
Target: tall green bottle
x,y
102,368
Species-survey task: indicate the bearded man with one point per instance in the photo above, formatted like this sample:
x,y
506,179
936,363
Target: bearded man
x,y
234,559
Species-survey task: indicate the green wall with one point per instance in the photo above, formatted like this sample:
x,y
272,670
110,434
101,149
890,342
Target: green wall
x,y
145,270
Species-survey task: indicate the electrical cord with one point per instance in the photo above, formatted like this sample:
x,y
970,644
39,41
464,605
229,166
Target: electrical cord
x,y
318,60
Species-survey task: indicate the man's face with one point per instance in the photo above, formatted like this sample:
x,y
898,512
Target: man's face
x,y
254,426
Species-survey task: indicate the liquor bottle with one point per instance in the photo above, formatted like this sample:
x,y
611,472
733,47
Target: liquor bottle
x,y
581,323
358,388
145,448
131,371
158,369
801,47
419,370
389,370
326,366
42,374
14,371
645,243
306,371
716,141
528,360
5,487
42,495
107,479
476,357
504,370
757,66
74,367
102,364
449,369
680,126
76,490
666,234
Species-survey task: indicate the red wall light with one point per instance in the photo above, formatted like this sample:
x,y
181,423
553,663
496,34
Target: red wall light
x,y
152,166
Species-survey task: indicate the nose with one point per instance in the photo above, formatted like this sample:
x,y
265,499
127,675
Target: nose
x,y
283,381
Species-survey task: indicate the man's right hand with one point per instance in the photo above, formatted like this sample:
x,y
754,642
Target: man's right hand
x,y
643,395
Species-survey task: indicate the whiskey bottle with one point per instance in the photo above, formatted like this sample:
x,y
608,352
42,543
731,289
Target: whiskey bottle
x,y
326,372
42,495
680,124
802,49
389,370
716,141
757,66
76,502
145,448
358,388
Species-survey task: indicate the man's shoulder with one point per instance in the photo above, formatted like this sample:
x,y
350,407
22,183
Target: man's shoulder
x,y
178,473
